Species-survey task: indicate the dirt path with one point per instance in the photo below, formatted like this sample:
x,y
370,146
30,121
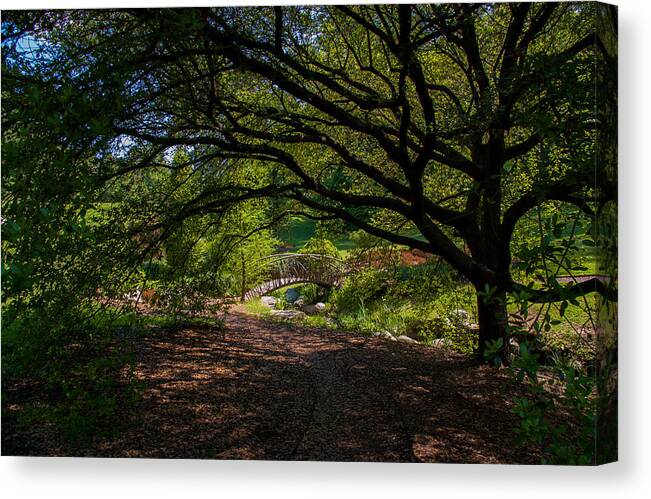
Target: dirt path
x,y
273,391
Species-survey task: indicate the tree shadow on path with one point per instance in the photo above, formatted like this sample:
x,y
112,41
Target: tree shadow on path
x,y
265,390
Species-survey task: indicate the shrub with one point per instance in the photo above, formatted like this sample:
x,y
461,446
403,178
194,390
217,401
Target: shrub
x,y
317,321
81,369
359,289
281,302
538,411
452,327
421,282
554,385
320,245
310,292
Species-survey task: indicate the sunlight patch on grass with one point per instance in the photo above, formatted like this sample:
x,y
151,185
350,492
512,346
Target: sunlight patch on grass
x,y
256,307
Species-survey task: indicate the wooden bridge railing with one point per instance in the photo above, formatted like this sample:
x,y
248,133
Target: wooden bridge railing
x,y
293,268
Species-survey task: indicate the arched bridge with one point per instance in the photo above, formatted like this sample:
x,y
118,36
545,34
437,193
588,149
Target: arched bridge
x,y
286,269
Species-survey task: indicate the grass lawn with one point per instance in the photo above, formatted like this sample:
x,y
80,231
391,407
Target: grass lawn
x,y
297,232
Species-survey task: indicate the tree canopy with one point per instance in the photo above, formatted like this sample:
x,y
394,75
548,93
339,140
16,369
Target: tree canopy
x,y
441,127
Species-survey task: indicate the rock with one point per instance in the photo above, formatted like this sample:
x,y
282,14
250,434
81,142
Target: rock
x,y
300,302
320,306
288,314
268,301
387,336
406,339
440,342
412,333
308,309
291,295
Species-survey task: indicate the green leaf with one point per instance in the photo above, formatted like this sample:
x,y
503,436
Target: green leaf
x,y
563,307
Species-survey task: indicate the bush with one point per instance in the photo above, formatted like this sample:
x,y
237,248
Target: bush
x,y
452,327
555,385
421,282
538,411
310,292
321,246
317,321
81,370
182,296
359,290
281,302
370,300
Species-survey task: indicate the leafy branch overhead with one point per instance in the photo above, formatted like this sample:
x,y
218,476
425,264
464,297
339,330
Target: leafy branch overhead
x,y
454,121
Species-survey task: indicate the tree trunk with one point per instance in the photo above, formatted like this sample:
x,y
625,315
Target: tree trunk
x,y
493,322
243,283
490,250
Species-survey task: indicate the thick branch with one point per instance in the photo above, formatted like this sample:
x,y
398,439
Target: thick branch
x,y
563,190
580,288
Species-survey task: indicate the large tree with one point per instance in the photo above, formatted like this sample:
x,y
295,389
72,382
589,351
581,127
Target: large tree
x,y
438,127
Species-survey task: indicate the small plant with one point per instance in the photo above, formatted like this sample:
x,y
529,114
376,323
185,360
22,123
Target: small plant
x,y
317,321
539,409
281,303
309,292
83,368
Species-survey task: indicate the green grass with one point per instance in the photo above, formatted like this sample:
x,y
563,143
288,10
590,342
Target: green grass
x,y
256,307
300,230
297,232
344,245
318,321
590,264
573,317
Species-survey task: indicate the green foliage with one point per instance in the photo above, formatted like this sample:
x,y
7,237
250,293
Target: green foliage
x,y
379,315
320,245
363,241
560,409
250,242
309,292
421,302
359,288
83,369
318,321
184,296
422,282
255,306
296,231
281,302
452,328
538,411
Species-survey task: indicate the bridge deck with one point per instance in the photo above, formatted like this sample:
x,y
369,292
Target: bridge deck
x,y
269,286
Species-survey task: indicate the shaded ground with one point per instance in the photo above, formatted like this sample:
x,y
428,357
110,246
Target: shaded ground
x,y
265,390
